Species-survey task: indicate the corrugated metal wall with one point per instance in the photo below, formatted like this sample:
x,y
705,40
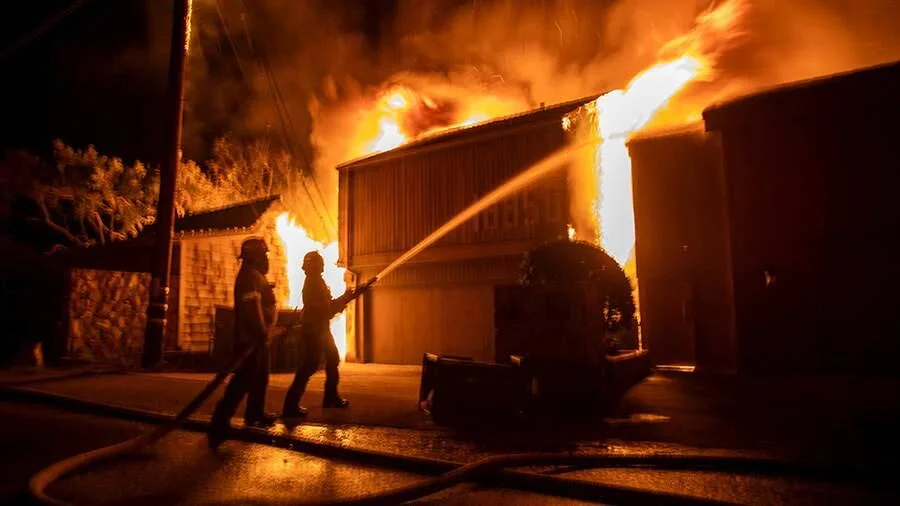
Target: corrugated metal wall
x,y
812,174
395,203
683,263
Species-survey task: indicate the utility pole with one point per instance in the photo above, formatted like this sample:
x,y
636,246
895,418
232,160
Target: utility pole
x,y
165,208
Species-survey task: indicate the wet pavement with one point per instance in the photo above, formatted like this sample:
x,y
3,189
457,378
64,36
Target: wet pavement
x,y
823,420
837,421
182,470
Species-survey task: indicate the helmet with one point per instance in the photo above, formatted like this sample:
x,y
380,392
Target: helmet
x,y
253,248
313,262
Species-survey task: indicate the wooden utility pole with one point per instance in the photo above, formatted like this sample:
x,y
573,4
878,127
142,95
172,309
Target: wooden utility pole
x,y
165,208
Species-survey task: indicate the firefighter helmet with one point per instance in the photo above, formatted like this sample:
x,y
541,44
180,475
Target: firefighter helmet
x,y
313,262
253,248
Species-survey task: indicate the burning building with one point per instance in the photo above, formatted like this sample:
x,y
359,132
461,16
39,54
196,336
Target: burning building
x,y
390,200
442,300
767,241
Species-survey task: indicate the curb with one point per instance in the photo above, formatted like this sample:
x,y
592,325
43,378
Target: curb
x,y
196,424
49,379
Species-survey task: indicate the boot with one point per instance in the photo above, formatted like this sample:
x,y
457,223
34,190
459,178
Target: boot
x,y
216,437
332,399
263,421
218,429
335,401
294,413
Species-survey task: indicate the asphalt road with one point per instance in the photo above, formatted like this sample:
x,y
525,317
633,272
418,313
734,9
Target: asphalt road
x,y
181,470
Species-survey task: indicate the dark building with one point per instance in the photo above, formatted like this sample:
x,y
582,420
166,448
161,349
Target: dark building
x,y
682,250
442,300
770,243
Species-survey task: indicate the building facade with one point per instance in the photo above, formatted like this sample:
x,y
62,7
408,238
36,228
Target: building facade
x,y
441,301
768,242
108,285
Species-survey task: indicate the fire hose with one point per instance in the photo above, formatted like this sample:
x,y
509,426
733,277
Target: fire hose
x,y
492,470
38,484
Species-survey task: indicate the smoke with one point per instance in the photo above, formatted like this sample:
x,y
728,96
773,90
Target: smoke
x,y
327,63
804,39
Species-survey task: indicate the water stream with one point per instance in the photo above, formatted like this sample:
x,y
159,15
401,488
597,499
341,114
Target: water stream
x,y
520,181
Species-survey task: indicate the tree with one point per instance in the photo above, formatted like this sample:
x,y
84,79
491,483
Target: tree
x,y
195,191
571,262
250,170
88,197
83,195
115,200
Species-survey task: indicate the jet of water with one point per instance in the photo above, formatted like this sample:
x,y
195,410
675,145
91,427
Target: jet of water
x,y
522,180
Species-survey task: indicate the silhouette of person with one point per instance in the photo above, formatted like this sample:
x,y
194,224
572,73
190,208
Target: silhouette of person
x,y
255,314
318,310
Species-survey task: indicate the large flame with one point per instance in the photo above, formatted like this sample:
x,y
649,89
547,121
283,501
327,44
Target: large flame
x,y
402,114
399,115
392,106
297,243
621,113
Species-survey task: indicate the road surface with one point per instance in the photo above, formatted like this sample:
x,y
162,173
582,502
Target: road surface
x,y
182,470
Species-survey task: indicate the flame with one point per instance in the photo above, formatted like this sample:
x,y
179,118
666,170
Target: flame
x,y
402,114
391,108
621,113
297,243
399,114
389,137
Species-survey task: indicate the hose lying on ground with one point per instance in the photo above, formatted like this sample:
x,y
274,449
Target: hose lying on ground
x,y
38,484
490,471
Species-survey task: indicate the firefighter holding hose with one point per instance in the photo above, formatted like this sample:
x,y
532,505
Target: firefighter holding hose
x,y
255,314
318,310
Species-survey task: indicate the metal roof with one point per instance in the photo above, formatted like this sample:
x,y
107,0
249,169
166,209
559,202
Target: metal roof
x,y
232,218
858,89
472,133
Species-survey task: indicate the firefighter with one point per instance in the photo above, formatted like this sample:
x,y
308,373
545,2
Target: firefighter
x,y
318,310
255,314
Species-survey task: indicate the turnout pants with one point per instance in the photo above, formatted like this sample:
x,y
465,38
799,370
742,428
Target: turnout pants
x,y
315,345
250,379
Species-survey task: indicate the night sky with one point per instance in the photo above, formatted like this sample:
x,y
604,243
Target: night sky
x,y
98,77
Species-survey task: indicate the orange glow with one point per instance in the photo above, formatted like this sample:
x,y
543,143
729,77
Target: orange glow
x,y
402,114
621,113
390,110
399,114
297,243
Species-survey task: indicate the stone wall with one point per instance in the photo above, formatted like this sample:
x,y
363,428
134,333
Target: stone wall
x,y
208,268
108,314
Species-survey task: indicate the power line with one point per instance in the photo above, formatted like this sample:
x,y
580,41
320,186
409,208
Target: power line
x,y
234,51
290,132
41,29
283,131
287,130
